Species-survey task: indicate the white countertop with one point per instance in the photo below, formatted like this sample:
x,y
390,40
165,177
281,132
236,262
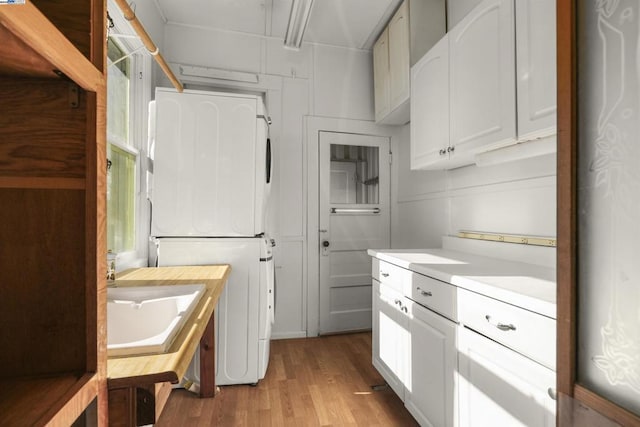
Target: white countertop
x,y
530,286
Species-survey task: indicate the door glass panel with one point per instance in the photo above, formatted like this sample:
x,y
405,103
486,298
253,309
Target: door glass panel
x,y
354,174
609,200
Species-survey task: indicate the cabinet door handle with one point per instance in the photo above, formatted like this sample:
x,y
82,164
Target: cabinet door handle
x,y
384,274
501,326
397,302
425,293
405,309
451,149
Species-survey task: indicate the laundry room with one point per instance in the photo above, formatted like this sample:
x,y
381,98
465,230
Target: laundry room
x,y
319,212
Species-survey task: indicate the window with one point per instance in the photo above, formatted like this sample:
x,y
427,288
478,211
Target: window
x,y
122,156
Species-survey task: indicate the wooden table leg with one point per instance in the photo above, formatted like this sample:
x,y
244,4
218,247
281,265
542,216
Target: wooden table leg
x,y
208,359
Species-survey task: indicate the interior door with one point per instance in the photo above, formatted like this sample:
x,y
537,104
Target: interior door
x,y
354,216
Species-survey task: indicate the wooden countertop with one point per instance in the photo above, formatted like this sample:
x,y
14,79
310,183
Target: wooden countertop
x,y
125,371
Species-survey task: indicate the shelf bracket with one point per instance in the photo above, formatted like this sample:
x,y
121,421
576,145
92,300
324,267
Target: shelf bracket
x,y
73,95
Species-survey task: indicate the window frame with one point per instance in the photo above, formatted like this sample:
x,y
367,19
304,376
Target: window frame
x,y
140,89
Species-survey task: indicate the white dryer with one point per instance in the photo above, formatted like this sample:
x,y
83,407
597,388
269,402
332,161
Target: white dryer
x,y
211,164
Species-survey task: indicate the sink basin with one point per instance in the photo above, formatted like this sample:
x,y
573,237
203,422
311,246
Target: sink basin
x,y
146,319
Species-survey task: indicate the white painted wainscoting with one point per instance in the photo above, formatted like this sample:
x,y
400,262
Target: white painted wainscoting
x,y
514,198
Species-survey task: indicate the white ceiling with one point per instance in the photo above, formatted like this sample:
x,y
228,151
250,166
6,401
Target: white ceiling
x,y
347,23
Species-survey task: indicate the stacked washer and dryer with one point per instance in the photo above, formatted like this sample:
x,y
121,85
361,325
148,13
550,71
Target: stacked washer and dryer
x,y
210,186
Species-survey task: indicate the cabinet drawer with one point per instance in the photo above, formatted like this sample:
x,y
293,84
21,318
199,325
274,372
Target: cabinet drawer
x,y
438,296
391,275
526,332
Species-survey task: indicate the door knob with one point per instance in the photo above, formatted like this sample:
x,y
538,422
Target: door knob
x,y
325,243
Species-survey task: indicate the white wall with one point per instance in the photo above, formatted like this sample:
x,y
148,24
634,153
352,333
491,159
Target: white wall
x,y
514,198
148,14
316,81
343,83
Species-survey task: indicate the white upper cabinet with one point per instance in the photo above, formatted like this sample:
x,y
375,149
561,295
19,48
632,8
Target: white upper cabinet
x,y
399,57
500,78
381,75
482,73
414,28
430,107
536,68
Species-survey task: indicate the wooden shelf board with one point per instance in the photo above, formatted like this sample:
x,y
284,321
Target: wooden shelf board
x,y
42,183
55,400
33,30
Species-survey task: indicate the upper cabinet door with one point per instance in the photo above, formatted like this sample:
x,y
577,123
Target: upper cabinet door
x,y
536,69
381,75
482,61
430,107
399,56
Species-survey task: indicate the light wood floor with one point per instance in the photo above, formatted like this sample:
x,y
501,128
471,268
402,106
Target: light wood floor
x,y
310,382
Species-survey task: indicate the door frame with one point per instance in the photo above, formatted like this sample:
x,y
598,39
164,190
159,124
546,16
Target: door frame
x,y
569,389
313,126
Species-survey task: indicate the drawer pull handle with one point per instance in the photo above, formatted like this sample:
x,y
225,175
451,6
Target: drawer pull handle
x,y
425,293
552,393
385,274
397,302
501,326
405,309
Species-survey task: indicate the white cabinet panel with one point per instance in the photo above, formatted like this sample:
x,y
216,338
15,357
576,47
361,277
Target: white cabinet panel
x,y
390,337
482,72
392,276
499,387
536,67
290,316
381,75
430,107
430,393
290,153
399,56
438,296
527,332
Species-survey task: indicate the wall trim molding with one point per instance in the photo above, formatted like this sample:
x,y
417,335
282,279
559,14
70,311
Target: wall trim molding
x,y
288,335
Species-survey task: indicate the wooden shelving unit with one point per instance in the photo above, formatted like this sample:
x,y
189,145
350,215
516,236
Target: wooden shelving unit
x,y
53,215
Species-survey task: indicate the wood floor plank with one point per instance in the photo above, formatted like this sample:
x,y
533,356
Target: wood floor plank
x,y
324,381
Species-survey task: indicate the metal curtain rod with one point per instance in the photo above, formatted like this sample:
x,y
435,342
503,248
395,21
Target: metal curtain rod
x,y
130,16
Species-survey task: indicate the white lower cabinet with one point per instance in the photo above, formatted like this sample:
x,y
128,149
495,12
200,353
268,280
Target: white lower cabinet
x,y
445,372
390,337
430,390
499,387
414,349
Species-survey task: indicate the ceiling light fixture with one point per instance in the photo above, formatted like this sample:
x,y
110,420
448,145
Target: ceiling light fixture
x,y
298,20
